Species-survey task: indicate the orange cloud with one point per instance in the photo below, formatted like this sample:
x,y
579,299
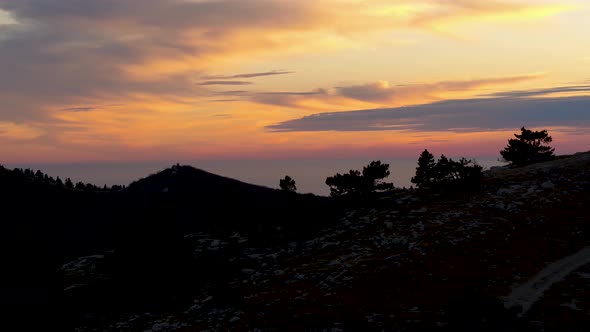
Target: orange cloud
x,y
381,93
65,64
15,131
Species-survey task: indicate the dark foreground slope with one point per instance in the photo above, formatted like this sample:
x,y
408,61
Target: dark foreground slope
x,y
164,256
426,262
139,234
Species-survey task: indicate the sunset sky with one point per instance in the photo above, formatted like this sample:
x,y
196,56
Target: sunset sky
x,y
139,80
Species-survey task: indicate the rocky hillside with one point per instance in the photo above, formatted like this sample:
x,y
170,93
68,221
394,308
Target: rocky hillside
x,y
456,262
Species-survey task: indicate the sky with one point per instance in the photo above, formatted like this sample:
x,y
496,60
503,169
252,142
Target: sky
x,y
166,80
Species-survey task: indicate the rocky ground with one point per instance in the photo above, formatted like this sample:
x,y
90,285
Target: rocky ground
x,y
417,262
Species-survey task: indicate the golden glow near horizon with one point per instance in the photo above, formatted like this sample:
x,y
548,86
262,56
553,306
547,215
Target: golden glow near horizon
x,y
205,79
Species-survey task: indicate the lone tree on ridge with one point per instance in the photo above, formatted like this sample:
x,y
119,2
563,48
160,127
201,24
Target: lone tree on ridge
x,y
528,148
425,170
288,184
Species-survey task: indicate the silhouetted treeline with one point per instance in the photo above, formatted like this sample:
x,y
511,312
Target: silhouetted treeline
x,y
446,173
38,177
360,185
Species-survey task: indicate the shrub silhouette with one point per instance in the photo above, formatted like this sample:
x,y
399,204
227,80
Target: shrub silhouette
x,y
288,184
446,173
528,148
345,184
355,183
464,173
374,173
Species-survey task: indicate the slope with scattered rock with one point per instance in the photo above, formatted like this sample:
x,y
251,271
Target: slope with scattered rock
x,y
414,261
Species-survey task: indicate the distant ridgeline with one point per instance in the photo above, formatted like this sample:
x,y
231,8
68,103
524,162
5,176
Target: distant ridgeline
x,y
39,178
444,174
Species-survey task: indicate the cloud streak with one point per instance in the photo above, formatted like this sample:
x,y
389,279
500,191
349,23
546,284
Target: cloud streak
x,y
542,92
453,115
247,75
18,132
80,109
225,83
384,92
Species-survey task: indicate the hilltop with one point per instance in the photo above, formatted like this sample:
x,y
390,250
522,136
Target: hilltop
x,y
190,180
187,250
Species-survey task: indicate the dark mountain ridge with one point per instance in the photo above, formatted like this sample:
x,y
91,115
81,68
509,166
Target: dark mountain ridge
x,y
187,250
187,179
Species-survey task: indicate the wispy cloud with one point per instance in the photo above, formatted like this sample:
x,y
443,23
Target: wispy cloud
x,y
80,109
224,83
453,115
384,92
234,93
225,100
542,92
17,132
247,75
445,12
294,93
286,98
230,79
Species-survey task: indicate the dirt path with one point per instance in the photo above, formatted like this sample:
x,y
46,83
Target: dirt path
x,y
529,293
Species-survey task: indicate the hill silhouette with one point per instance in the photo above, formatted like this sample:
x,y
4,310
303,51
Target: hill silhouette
x,y
189,180
184,249
145,224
